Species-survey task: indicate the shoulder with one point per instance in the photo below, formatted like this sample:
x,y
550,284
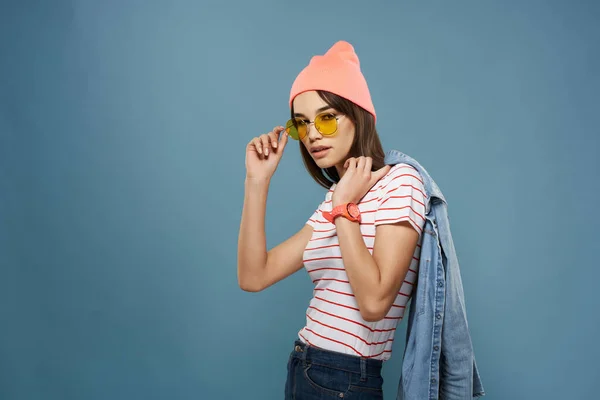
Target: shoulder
x,y
400,174
401,198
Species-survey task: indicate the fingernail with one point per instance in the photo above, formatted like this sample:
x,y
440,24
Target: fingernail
x,y
267,151
275,144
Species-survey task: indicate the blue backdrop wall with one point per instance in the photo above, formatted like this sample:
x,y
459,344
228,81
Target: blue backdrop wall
x,y
122,133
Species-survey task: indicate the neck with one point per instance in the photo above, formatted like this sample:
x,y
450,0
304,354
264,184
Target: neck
x,y
340,170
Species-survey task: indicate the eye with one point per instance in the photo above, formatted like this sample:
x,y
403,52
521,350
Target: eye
x,y
327,117
299,121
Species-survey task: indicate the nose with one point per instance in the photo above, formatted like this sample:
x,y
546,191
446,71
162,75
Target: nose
x,y
312,132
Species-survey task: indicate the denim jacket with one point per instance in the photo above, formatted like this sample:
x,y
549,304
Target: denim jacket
x,y
439,361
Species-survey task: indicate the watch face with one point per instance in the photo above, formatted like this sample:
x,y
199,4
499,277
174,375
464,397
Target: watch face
x,y
353,210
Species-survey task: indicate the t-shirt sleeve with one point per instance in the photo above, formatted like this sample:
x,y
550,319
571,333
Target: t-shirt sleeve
x,y
402,198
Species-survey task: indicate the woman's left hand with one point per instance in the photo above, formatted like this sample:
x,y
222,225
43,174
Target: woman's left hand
x,y
357,180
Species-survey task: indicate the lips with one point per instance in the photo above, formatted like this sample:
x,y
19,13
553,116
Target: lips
x,y
319,148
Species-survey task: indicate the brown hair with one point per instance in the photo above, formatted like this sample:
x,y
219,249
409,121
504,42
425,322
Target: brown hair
x,y
366,140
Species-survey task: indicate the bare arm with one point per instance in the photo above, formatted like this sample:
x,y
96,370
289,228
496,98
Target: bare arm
x,y
257,267
376,279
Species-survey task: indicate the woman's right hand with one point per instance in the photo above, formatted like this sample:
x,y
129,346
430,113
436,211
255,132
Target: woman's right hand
x,y
264,152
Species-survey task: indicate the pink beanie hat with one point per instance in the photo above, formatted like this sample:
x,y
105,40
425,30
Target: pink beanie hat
x,y
337,71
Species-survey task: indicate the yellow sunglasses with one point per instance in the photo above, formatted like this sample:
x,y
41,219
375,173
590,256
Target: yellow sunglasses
x,y
326,123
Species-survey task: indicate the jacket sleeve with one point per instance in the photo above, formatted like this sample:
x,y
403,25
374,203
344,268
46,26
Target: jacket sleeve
x,y
458,374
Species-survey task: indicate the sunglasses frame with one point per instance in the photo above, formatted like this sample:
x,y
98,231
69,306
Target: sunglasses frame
x,y
309,123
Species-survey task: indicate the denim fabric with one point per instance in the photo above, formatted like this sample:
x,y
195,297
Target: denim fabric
x,y
314,373
439,361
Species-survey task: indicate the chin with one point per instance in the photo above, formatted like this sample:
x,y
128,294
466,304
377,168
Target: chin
x,y
324,163
331,159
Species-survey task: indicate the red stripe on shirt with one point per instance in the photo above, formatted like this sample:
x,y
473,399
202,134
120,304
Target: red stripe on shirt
x,y
324,268
307,341
323,258
337,304
335,291
352,321
401,208
397,177
330,279
407,185
400,220
346,344
323,230
333,340
328,246
402,197
324,237
318,222
349,333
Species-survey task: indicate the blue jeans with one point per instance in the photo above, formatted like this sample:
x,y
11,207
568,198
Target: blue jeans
x,y
314,373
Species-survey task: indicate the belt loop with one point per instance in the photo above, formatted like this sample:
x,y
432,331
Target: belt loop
x,y
301,349
363,369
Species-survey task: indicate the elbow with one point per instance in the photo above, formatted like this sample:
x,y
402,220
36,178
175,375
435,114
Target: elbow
x,y
372,317
250,288
248,285
373,311
248,280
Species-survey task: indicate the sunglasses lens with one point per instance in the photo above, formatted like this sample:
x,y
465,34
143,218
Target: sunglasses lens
x,y
326,124
291,130
296,128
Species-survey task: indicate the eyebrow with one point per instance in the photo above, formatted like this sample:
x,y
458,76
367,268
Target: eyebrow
x,y
325,108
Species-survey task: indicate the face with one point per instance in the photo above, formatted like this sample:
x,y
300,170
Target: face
x,y
326,151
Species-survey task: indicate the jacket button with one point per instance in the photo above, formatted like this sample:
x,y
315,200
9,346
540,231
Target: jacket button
x,y
436,348
438,316
440,284
433,380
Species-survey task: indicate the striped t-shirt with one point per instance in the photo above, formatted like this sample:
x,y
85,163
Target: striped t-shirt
x,y
333,320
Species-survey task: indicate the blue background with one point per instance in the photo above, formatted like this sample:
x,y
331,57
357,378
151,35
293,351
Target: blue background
x,y
122,134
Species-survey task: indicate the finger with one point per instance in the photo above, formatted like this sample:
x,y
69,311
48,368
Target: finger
x,y
264,138
272,139
257,145
368,165
360,163
284,139
274,136
380,173
351,164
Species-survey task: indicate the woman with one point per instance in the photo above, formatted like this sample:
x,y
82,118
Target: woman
x,y
361,245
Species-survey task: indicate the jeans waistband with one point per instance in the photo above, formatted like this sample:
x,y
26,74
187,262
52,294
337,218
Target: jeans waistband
x,y
346,362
